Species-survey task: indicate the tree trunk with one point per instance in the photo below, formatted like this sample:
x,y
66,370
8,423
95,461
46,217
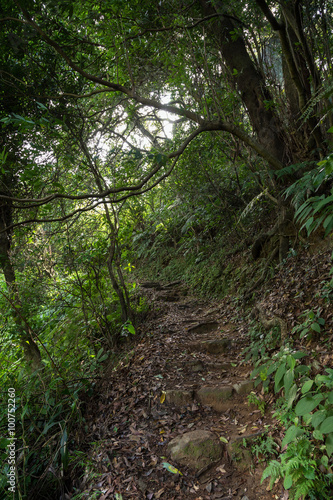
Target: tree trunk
x,y
250,83
30,348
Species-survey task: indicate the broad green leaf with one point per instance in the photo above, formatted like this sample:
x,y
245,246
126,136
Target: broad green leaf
x,y
288,381
324,461
329,444
291,362
327,426
279,377
318,435
302,370
292,433
307,386
292,395
317,418
316,327
308,404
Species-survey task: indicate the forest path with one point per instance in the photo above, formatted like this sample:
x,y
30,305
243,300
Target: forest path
x,y
185,375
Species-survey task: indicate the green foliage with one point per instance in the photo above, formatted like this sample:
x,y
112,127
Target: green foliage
x,y
307,413
264,447
259,403
261,342
300,471
314,211
312,324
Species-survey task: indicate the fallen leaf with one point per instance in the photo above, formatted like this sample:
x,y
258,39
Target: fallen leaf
x,y
221,469
171,468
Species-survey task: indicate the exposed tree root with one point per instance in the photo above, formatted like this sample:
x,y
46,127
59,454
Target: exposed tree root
x,y
268,323
262,278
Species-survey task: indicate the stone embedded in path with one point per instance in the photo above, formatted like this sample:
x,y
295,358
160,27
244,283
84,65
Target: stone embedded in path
x,y
178,397
244,387
196,366
216,397
195,449
205,327
216,346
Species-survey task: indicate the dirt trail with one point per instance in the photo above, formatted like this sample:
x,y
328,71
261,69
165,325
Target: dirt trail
x,y
185,375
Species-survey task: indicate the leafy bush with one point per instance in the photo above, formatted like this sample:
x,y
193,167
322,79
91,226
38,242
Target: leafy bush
x,y
315,211
307,413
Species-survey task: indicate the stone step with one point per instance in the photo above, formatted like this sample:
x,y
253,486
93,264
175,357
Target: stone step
x,y
196,449
214,396
204,327
215,346
201,449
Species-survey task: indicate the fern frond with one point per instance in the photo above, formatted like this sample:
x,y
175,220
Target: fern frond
x,y
324,93
273,470
302,488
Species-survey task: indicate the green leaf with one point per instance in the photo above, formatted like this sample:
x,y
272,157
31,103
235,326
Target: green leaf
x,y
292,395
292,433
288,381
308,404
291,362
329,444
288,482
324,461
279,377
318,435
318,417
302,370
316,327
307,386
327,426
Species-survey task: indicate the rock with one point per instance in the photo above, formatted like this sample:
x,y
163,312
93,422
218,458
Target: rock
x,y
196,366
216,346
178,397
244,387
216,397
204,327
195,449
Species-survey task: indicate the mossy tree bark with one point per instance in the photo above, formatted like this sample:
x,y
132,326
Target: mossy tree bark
x,y
31,350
